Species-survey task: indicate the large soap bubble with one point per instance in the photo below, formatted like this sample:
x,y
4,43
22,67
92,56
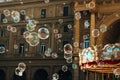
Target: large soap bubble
x,y
33,39
43,33
68,48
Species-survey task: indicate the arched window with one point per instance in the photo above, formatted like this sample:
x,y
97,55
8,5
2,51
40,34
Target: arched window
x,y
41,74
16,77
65,75
2,75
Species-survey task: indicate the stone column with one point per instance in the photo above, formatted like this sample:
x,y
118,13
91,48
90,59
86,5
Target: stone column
x,y
92,39
53,38
10,44
76,49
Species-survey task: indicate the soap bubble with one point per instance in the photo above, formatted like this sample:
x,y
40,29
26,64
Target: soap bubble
x,y
55,76
116,71
103,28
69,60
64,68
33,39
55,31
68,56
60,21
16,19
69,26
22,66
54,55
15,46
30,26
18,72
68,48
15,14
6,12
26,34
9,27
5,20
43,33
23,12
95,33
76,44
47,53
46,1
74,66
13,29
57,36
2,49
77,15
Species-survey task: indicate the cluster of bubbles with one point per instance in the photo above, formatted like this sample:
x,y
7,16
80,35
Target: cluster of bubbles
x,y
102,29
116,72
15,15
68,52
11,28
20,69
33,38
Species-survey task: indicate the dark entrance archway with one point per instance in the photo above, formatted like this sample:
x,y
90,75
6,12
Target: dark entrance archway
x,y
65,75
41,74
16,77
2,75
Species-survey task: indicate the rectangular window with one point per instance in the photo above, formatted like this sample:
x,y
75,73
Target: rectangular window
x,y
65,11
86,43
2,33
43,13
66,28
42,48
21,49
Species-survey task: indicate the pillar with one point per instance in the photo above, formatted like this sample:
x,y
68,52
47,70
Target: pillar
x,y
92,39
